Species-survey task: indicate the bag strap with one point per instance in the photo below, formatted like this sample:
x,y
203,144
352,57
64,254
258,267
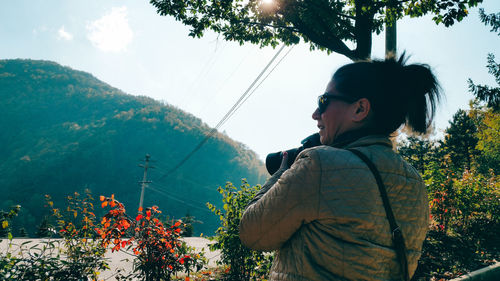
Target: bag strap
x,y
397,235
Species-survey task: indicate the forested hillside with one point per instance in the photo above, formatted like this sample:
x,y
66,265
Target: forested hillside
x,y
63,131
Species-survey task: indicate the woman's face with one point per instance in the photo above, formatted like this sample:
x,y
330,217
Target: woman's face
x,y
335,120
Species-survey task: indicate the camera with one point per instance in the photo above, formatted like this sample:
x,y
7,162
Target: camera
x,y
273,160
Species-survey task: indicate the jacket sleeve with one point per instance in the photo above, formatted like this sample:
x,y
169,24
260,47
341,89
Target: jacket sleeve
x,y
291,202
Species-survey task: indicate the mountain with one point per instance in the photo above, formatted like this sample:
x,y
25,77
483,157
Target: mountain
x,y
64,131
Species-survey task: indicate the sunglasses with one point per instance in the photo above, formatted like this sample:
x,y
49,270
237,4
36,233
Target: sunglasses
x,y
324,101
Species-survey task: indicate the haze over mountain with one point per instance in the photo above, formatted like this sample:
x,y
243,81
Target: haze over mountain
x,y
63,131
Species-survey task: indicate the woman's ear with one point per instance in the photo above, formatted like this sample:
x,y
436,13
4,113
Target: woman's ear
x,y
361,110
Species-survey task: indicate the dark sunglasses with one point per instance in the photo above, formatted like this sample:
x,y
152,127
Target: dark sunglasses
x,y
324,101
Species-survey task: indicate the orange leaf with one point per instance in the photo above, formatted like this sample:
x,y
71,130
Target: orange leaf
x,y
104,204
139,217
112,203
125,224
177,224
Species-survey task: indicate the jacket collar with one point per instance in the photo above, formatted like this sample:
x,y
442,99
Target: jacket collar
x,y
361,138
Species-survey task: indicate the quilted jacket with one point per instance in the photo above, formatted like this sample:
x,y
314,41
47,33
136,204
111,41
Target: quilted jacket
x,y
325,216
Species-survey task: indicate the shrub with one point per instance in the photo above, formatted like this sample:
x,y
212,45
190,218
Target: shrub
x,y
243,262
80,257
159,252
84,254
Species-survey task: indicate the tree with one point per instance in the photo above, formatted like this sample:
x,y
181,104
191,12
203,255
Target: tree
x,y
461,140
488,134
492,19
418,151
22,232
43,228
482,92
324,24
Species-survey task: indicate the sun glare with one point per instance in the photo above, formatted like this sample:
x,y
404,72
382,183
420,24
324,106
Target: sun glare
x,y
267,1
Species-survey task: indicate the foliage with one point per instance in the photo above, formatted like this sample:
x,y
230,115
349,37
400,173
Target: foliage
x,y
417,151
447,256
65,130
461,140
488,134
189,222
470,239
485,93
84,254
78,256
159,252
326,25
243,263
482,92
462,180
43,229
492,19
5,218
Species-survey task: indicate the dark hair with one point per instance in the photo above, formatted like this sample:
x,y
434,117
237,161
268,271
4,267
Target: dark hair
x,y
398,93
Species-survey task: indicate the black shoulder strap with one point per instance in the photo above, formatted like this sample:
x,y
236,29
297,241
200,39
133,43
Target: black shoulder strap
x,y
397,235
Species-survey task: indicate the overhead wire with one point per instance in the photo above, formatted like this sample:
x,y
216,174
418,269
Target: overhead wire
x,y
202,74
226,80
179,200
226,117
262,81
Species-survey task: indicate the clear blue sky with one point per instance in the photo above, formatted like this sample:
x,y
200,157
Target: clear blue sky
x,y
127,45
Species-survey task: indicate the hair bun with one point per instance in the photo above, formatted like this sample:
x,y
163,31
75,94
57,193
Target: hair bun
x,y
398,93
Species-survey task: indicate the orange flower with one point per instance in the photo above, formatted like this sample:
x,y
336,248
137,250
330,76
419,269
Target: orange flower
x,y
177,224
139,217
102,198
104,204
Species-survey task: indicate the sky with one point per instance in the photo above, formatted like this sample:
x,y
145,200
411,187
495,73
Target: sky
x,y
126,44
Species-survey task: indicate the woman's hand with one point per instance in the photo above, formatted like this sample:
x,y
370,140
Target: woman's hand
x,y
284,161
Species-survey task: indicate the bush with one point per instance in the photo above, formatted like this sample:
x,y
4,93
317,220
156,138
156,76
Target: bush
x,y
159,252
243,262
80,257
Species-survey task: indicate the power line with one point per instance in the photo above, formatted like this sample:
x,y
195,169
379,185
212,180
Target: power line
x,y
179,200
226,117
264,79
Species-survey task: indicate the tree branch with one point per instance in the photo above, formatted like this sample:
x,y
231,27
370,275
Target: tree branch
x,y
332,43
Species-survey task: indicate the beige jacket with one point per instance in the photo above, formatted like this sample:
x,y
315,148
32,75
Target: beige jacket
x,y
325,216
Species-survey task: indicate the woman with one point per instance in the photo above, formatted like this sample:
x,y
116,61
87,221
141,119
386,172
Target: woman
x,y
324,215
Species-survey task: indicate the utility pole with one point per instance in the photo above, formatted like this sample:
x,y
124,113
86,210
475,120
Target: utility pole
x,y
144,182
390,32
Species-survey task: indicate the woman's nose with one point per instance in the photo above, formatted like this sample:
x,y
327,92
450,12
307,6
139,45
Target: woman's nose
x,y
316,115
